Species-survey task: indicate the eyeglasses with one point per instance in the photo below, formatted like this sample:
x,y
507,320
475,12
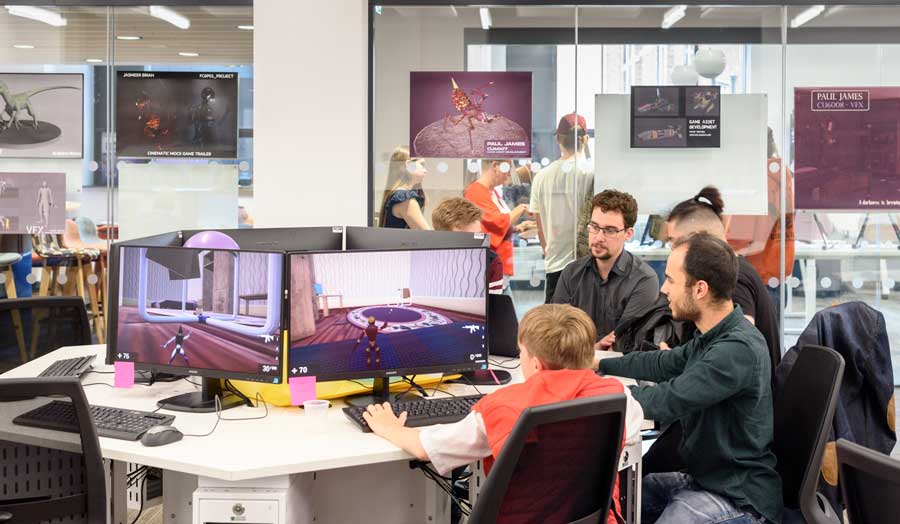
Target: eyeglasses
x,y
595,229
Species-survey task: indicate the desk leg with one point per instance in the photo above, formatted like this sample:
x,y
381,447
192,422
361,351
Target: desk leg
x,y
118,496
178,494
632,486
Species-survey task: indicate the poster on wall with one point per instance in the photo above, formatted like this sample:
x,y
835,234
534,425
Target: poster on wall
x,y
41,115
32,203
463,114
164,114
675,116
846,148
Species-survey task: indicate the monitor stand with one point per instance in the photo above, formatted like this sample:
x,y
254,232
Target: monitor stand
x,y
203,401
381,392
484,377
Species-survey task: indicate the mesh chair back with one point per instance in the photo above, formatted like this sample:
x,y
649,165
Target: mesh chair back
x,y
803,415
90,504
31,327
558,465
870,483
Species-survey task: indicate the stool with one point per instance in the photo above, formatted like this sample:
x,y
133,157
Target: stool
x,y
7,260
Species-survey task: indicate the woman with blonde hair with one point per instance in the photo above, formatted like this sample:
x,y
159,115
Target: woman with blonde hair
x,y
403,203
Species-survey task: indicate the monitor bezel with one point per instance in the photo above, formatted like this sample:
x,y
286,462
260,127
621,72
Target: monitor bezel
x,y
398,372
113,321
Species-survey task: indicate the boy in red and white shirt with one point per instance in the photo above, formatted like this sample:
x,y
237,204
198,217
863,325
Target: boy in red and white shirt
x,y
556,352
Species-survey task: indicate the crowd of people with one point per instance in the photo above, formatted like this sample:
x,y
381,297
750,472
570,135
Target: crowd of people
x,y
704,344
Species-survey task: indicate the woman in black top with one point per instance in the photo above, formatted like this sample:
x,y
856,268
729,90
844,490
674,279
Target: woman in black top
x,y
403,203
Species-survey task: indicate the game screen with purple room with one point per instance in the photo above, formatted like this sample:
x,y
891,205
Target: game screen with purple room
x,y
201,309
354,313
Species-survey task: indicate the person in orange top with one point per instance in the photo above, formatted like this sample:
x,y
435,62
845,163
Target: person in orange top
x,y
556,350
497,219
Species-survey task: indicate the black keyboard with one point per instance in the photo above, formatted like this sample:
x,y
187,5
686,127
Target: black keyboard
x,y
423,412
69,367
125,424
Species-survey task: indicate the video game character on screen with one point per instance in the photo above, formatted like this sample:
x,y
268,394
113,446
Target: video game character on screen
x,y
201,308
371,332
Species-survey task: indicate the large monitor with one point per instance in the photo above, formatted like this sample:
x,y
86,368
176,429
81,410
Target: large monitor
x,y
285,239
377,314
210,313
359,238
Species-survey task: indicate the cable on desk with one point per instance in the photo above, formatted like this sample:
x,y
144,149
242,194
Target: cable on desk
x,y
502,363
467,379
358,383
219,417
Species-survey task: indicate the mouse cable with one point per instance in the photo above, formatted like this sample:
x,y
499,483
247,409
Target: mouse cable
x,y
141,509
467,379
502,363
219,417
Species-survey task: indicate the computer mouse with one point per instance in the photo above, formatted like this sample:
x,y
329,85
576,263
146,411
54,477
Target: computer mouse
x,y
161,435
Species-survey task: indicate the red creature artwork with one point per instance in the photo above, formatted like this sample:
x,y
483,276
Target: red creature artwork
x,y
470,107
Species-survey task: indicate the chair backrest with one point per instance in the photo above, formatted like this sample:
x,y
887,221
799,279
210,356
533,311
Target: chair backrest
x,y
870,483
803,415
87,230
558,464
504,326
406,293
71,237
93,501
31,327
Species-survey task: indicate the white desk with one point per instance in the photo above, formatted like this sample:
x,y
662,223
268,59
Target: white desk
x,y
340,474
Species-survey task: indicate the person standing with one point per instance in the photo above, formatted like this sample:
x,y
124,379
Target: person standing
x,y
403,202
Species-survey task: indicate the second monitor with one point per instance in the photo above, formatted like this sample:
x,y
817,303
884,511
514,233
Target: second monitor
x,y
385,313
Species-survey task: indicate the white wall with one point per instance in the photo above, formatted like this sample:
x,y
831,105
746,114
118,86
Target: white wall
x,y
310,135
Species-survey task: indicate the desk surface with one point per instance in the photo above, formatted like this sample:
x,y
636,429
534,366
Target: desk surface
x,y
282,443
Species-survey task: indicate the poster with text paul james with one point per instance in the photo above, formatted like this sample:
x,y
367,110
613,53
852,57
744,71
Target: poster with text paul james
x,y
470,114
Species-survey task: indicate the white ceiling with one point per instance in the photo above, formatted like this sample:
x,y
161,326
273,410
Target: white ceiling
x,y
213,34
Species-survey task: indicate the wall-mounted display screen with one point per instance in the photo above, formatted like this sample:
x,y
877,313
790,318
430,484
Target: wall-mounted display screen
x,y
41,115
675,117
176,114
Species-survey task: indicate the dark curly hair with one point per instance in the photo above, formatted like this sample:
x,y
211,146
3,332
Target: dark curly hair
x,y
612,200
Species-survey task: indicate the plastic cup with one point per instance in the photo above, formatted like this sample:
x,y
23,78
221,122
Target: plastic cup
x,y
316,412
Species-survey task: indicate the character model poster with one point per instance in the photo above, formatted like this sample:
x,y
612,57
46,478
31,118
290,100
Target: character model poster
x,y
675,117
32,203
41,115
847,143
470,115
176,114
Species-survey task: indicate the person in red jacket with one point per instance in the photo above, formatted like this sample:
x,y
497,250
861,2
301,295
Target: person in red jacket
x,y
497,219
556,344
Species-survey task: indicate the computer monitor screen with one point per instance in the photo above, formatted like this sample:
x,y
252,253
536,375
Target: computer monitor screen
x,y
207,312
382,313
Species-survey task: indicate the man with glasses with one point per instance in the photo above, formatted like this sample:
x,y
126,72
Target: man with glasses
x,y
610,284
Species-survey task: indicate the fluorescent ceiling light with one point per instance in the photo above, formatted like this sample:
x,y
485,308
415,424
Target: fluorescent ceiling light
x,y
164,13
486,21
39,14
23,46
806,15
246,27
94,60
128,37
185,53
673,15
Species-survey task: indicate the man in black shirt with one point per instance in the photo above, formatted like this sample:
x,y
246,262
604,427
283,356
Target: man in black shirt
x,y
704,213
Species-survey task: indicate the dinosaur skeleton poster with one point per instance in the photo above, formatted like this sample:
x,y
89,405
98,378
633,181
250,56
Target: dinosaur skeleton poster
x,y
165,114
32,203
470,115
674,117
41,115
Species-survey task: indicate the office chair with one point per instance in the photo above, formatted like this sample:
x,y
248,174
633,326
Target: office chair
x,y
568,452
803,415
42,504
870,483
44,324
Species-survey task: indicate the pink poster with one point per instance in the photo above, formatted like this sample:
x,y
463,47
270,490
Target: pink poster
x,y
463,114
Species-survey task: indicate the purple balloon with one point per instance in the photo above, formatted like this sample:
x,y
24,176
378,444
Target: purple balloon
x,y
211,240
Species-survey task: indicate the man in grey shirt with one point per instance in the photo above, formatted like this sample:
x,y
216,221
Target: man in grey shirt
x,y
611,285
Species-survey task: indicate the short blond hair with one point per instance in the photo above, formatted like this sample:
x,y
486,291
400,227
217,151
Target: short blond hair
x,y
456,212
559,335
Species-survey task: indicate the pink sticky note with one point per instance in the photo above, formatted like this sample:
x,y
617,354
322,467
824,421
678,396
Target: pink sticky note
x,y
302,388
124,374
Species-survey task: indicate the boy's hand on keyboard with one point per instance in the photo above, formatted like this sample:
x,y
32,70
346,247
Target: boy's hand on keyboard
x,y
381,418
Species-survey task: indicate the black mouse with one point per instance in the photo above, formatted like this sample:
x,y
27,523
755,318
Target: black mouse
x,y
161,435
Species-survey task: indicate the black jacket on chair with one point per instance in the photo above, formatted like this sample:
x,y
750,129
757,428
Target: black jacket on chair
x,y
865,410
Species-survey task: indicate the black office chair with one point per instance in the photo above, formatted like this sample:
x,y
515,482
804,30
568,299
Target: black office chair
x,y
870,483
92,501
568,452
803,415
31,327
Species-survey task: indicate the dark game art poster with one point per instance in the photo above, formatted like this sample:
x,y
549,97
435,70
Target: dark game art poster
x,y
32,203
470,114
847,143
675,116
41,115
176,114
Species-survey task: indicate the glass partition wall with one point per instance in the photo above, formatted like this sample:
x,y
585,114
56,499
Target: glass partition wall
x,y
811,230
118,122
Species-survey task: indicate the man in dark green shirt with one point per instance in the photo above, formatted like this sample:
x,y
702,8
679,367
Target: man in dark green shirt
x,y
717,385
